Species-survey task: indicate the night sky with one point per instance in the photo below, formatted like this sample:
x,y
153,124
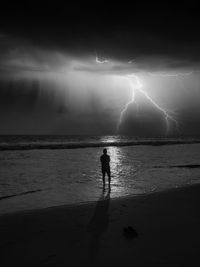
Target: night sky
x,y
50,82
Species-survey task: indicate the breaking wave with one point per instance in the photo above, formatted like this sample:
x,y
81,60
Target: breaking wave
x,y
77,145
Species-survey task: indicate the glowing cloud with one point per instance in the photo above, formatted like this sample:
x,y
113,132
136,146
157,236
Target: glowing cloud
x,y
101,61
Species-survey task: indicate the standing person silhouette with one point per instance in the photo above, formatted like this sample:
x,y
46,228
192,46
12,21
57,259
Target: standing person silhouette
x,y
105,166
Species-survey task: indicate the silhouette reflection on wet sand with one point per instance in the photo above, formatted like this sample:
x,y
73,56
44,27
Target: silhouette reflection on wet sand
x,y
98,224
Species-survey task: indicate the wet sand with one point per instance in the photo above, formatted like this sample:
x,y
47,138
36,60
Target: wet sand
x,y
167,223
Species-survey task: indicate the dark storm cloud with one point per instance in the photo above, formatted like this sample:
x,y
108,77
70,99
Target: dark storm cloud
x,y
19,55
137,38
117,30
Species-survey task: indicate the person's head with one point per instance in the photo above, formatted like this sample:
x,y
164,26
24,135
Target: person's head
x,y
105,151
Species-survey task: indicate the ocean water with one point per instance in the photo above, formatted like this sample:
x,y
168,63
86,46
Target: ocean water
x,y
44,171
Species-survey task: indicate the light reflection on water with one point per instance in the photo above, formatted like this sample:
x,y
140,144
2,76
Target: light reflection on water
x,y
122,167
108,139
116,168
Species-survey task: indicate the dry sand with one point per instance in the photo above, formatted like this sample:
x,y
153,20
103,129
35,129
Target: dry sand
x,y
167,223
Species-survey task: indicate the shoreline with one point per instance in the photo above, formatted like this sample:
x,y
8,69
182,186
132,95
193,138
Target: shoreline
x,y
167,224
93,202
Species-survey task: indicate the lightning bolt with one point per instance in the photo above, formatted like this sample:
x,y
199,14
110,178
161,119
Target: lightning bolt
x,y
138,87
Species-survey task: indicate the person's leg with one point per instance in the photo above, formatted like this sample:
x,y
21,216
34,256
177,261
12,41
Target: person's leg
x,y
109,177
103,178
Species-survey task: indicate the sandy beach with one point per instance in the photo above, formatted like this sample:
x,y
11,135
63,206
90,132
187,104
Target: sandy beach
x,y
167,224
